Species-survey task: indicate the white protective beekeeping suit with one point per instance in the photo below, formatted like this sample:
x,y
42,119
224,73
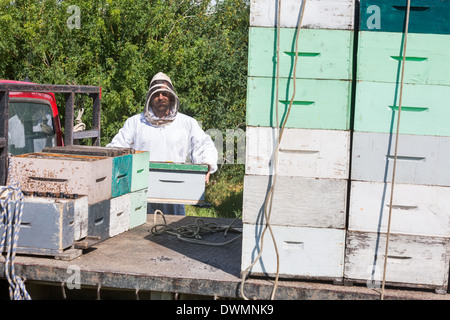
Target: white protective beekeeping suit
x,y
175,138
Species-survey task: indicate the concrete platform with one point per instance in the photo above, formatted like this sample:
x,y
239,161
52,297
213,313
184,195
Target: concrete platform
x,y
138,260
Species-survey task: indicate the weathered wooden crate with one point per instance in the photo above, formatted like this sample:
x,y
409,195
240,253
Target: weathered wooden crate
x,y
119,219
139,174
427,59
416,209
176,181
420,159
308,253
412,261
322,54
426,16
302,152
68,174
424,111
296,201
47,226
311,108
122,159
99,219
138,209
318,14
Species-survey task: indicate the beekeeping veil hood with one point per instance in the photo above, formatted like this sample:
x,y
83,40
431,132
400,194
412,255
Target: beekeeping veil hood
x,y
161,83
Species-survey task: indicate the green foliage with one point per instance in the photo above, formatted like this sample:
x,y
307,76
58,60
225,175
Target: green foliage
x,y
121,44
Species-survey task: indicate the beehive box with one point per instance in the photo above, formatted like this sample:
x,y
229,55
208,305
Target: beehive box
x,y
296,201
47,226
302,152
426,16
412,261
140,172
319,14
119,220
138,207
99,216
122,160
176,181
67,174
316,253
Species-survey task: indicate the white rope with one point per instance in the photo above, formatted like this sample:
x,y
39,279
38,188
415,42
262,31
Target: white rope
x,y
395,152
11,204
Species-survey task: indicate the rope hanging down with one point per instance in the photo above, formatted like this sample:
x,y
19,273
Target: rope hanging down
x,y
395,150
11,204
269,196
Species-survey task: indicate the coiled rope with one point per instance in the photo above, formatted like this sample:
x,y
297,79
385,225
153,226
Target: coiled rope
x,y
269,196
395,150
11,204
193,232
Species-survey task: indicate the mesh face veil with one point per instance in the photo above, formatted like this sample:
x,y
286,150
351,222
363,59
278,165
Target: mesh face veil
x,y
161,83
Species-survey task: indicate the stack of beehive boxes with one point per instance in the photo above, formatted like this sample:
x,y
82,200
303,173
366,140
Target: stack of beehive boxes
x,y
308,211
420,227
104,195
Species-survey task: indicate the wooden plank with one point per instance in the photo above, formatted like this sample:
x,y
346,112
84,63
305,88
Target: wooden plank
x,y
414,261
427,59
58,173
420,159
426,16
424,111
318,14
172,166
89,150
416,209
310,108
322,54
313,253
296,201
302,152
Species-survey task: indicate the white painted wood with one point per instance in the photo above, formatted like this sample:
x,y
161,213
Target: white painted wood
x,y
303,252
296,201
416,209
302,152
412,260
318,14
420,159
173,184
81,210
119,219
56,173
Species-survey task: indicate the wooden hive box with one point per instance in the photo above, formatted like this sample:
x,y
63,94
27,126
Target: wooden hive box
x,y
318,14
119,220
59,173
420,159
176,181
140,172
322,54
426,16
138,209
47,226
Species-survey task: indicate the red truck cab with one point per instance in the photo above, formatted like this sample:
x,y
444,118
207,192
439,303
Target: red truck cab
x,y
33,121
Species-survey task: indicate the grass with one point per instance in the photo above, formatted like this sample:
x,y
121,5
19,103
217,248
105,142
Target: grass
x,y
225,195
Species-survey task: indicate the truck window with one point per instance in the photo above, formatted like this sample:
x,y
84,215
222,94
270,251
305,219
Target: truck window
x,y
30,126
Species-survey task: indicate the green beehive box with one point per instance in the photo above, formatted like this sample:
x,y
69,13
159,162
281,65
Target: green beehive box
x,y
138,207
139,174
426,16
427,59
322,54
176,182
318,104
121,175
425,108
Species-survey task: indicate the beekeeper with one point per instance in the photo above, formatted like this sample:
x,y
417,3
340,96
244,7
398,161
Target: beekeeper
x,y
167,134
